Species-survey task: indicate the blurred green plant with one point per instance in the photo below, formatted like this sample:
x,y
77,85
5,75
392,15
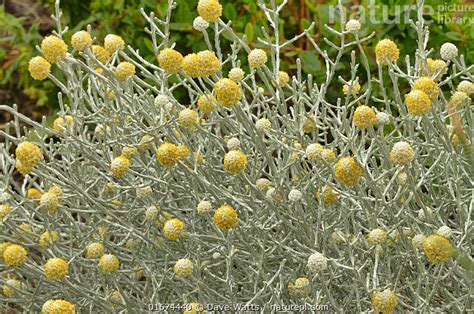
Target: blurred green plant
x,y
15,52
123,17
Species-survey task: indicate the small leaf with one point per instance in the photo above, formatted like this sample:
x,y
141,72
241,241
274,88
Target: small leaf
x,y
291,53
453,36
252,7
184,12
305,23
249,32
230,12
148,43
227,36
118,5
311,62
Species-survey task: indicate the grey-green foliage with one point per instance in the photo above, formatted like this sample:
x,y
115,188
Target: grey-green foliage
x,y
254,263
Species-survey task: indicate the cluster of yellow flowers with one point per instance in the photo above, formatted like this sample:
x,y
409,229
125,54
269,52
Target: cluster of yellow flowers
x,y
286,172
58,306
226,218
364,117
55,50
386,51
348,171
28,155
56,269
204,63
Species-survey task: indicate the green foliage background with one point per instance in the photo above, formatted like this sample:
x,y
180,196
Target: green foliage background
x,y
123,17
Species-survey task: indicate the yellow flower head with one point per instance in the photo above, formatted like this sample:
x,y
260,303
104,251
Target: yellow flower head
x,y
418,241
194,308
283,78
23,169
191,65
448,51
129,151
428,86
145,142
348,171
54,49
364,117
466,87
50,202
39,68
204,207
119,166
300,287
257,58
188,119
327,196
47,238
226,218
33,194
263,184
207,103
5,209
173,229
402,154
209,10
314,152
328,155
11,285
384,301
60,123
437,248
167,154
183,268
14,255
3,246
208,63
263,125
28,154
58,306
377,236
56,190
170,60
101,53
353,26
346,89
109,263
115,298
227,92
308,126
113,43
235,162
198,157
452,134
81,40
56,269
124,71
25,230
435,67
236,74
418,103
95,250
459,99
183,152
386,50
